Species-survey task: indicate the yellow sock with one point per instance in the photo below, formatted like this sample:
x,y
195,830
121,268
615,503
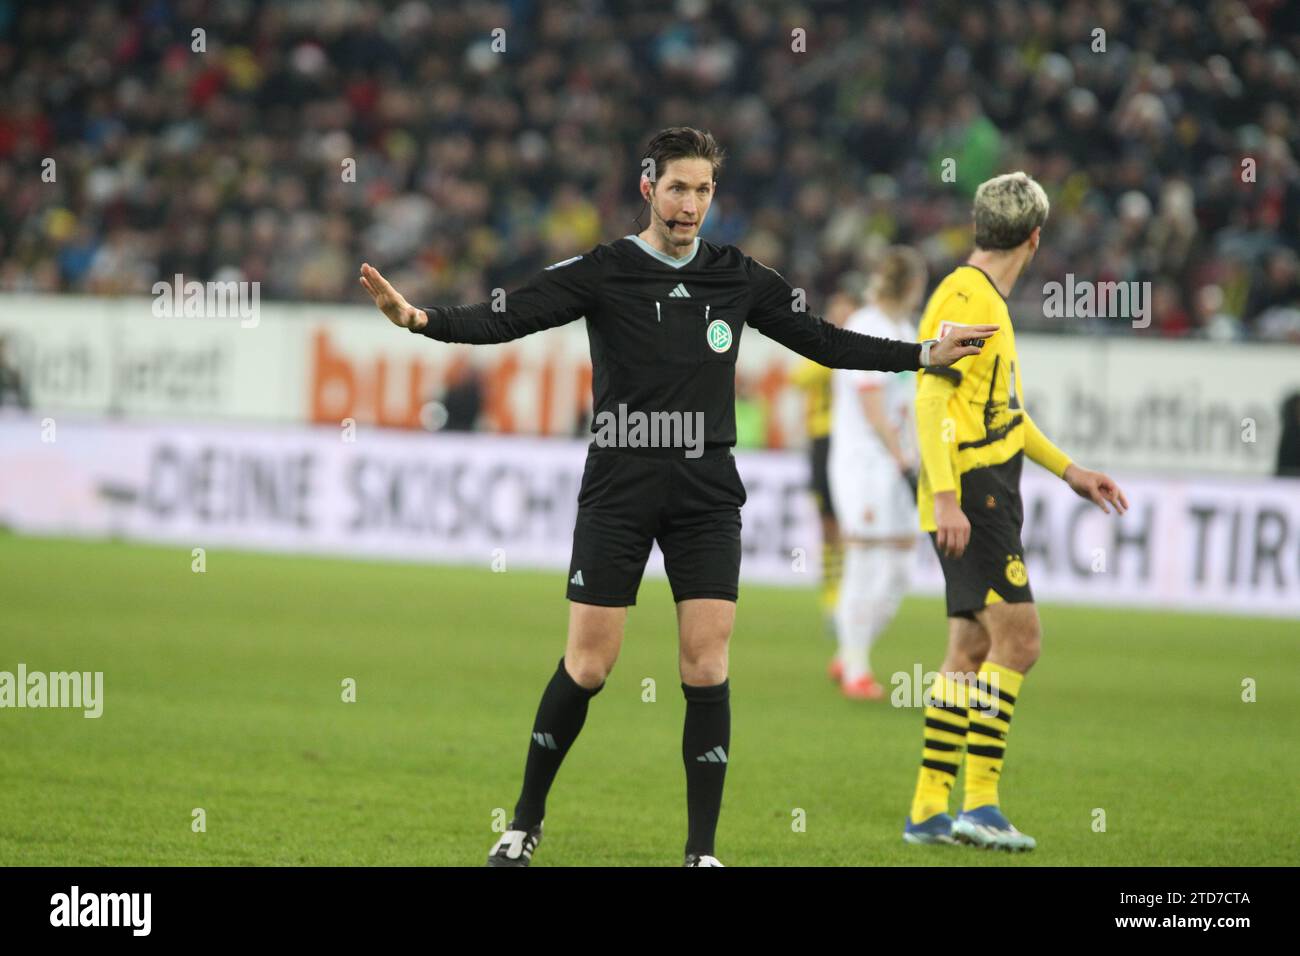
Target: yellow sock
x,y
992,702
832,571
945,734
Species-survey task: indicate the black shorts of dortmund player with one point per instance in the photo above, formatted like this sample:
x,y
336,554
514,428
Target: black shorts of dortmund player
x,y
820,454
628,500
993,564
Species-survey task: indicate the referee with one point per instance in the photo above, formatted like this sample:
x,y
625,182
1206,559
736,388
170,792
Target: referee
x,y
665,312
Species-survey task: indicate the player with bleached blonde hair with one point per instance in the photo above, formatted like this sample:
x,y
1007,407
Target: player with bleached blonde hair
x,y
974,434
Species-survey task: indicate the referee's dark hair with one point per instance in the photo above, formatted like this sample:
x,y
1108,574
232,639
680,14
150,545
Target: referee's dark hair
x,y
683,142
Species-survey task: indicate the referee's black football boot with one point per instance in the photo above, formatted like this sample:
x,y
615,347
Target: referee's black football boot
x,y
515,848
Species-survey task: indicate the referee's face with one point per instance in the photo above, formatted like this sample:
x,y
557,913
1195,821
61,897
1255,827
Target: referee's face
x,y
680,199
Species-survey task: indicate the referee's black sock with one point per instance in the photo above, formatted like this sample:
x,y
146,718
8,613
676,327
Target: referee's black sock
x,y
560,717
706,739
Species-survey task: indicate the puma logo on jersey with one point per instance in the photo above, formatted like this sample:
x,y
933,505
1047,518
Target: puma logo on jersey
x,y
679,292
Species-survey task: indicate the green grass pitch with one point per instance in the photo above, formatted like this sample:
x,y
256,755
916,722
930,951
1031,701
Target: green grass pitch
x,y
223,692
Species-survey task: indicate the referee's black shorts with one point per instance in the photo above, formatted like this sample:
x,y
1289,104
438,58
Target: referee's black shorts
x,y
630,499
992,568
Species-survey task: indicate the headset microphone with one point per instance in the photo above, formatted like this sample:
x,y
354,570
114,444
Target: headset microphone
x,y
670,223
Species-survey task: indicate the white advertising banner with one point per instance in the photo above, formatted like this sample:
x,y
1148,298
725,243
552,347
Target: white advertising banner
x,y
1151,405
1111,402
465,499
1229,544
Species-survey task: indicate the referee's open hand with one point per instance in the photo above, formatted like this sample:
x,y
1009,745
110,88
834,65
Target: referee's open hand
x,y
390,301
959,342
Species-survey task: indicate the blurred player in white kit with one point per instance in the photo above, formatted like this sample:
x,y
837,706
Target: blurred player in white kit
x,y
873,461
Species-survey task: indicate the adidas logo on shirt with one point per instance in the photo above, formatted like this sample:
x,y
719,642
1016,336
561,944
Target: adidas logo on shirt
x,y
679,292
577,579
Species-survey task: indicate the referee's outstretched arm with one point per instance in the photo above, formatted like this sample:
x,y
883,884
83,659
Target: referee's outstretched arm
x,y
566,291
553,297
773,313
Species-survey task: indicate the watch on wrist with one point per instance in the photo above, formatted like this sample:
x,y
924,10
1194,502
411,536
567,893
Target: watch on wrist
x,y
925,351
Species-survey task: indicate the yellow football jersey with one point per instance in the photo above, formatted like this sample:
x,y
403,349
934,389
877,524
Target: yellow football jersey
x,y
815,380
969,415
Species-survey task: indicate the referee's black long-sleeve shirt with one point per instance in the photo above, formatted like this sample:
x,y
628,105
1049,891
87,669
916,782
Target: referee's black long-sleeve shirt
x,y
664,338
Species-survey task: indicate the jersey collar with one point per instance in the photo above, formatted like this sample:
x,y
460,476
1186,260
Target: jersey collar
x,y
665,259
967,265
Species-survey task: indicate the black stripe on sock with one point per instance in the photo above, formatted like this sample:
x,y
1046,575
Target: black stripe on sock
x,y
979,750
935,724
949,768
987,691
958,711
987,731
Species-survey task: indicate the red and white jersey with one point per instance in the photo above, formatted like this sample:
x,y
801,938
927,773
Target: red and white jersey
x,y
854,441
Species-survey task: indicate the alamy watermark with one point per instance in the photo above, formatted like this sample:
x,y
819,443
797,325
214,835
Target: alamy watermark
x,y
626,429
129,910
1084,299
75,689
961,689
208,300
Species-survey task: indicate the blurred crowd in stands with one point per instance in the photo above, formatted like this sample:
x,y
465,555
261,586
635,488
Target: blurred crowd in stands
x,y
460,146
